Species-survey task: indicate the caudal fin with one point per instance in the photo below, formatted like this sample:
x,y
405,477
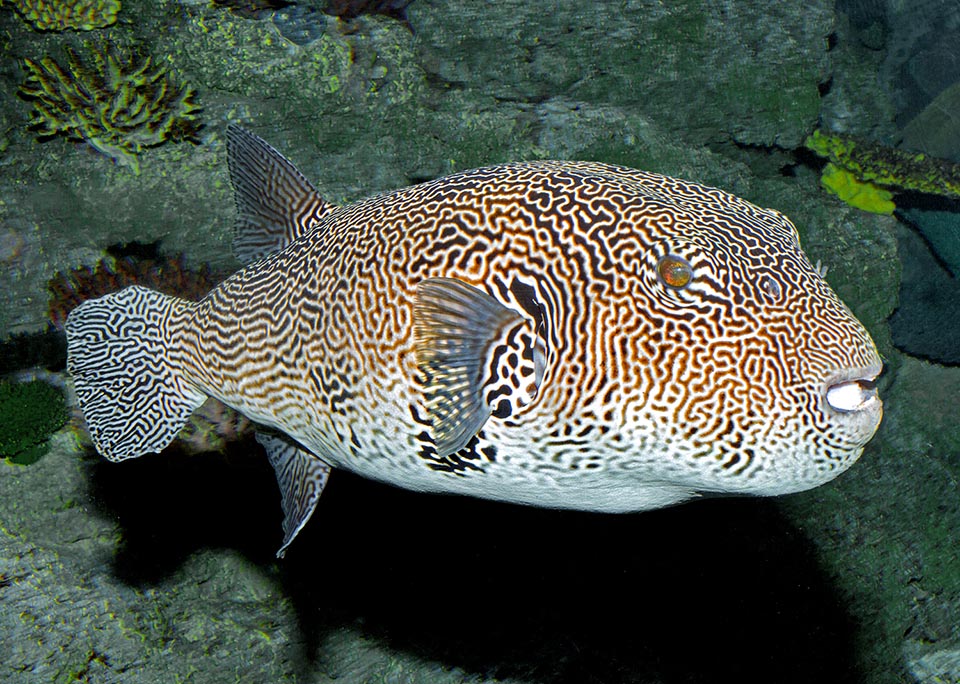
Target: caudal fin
x,y
120,355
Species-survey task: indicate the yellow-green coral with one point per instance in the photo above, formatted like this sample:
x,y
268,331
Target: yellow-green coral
x,y
116,105
866,196
894,169
59,15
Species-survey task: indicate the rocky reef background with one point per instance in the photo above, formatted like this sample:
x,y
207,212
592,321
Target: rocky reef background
x,y
162,569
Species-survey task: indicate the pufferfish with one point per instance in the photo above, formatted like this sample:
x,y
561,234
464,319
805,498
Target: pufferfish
x,y
572,335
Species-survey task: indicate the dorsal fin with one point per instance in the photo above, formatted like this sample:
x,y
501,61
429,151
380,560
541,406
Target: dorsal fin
x,y
275,203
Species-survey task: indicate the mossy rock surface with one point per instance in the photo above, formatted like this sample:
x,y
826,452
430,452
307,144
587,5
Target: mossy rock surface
x,y
746,70
886,531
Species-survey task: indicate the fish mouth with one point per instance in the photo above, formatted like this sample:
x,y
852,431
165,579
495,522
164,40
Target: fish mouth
x,y
853,390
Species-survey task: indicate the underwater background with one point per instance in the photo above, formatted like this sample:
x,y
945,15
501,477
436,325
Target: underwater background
x,y
113,117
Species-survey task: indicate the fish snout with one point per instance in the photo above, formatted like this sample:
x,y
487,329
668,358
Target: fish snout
x,y
851,394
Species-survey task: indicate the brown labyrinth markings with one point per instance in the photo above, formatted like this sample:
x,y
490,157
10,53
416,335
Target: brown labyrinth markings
x,y
584,240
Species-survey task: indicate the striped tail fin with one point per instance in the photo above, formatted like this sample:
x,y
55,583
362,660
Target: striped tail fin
x,y
120,355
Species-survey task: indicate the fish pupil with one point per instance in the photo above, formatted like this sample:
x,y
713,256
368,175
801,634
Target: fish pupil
x,y
771,286
675,272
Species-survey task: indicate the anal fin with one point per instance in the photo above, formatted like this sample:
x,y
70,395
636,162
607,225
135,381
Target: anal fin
x,y
301,476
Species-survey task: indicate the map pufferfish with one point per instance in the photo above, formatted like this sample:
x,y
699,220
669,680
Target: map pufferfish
x,y
563,334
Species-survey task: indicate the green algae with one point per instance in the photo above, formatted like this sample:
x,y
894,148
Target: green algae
x,y
29,414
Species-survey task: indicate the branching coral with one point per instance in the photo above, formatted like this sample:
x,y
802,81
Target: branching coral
x,y
59,15
871,165
116,105
213,427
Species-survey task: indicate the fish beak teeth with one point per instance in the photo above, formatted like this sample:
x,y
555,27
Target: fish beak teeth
x,y
854,390
852,395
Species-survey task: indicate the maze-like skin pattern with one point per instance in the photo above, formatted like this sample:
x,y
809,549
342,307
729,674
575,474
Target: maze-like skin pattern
x,y
127,371
647,394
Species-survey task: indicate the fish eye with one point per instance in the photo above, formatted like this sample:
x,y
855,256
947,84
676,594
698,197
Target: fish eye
x,y
770,286
674,271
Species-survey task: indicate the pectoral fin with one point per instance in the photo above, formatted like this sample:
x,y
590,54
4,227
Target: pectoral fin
x,y
477,358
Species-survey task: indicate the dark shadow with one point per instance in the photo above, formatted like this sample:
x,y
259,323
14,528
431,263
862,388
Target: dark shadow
x,y
714,591
926,323
47,349
172,504
722,590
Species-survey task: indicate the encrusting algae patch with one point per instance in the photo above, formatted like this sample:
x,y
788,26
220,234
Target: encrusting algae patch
x,y
61,15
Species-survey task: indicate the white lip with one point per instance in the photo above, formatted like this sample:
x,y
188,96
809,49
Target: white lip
x,y
854,390
854,395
